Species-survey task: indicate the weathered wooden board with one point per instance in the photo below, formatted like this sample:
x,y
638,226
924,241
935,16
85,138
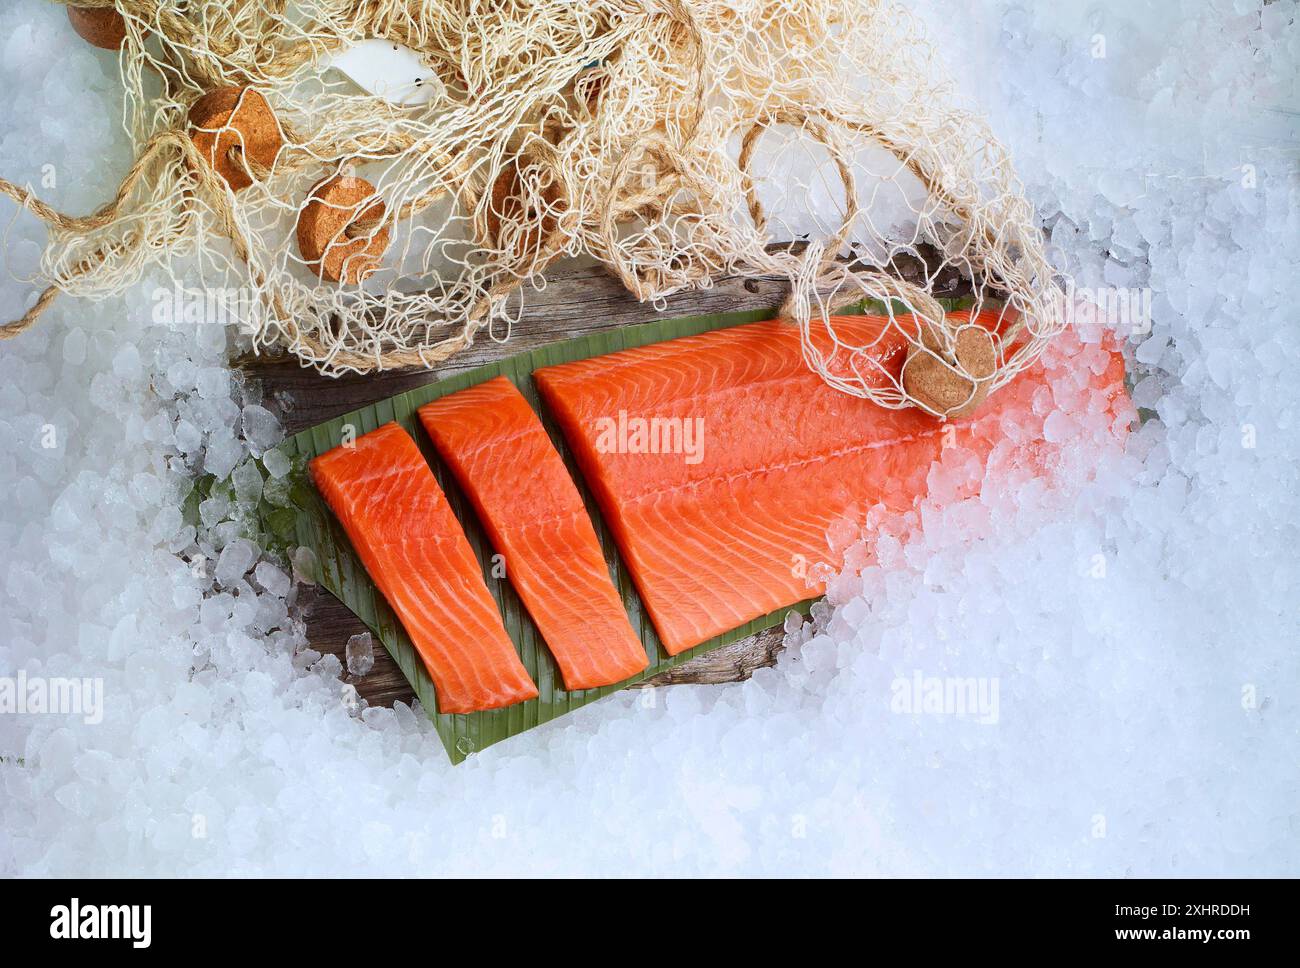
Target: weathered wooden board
x,y
330,625
575,301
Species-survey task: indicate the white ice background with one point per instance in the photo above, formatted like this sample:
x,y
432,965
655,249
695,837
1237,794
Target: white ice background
x,y
1141,622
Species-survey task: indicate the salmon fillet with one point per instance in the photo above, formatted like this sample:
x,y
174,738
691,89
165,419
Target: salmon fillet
x,y
411,544
517,481
724,528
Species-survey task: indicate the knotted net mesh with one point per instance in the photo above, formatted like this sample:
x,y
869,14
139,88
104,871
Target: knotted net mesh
x,y
675,142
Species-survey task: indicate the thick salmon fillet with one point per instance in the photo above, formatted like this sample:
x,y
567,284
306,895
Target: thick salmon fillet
x,y
411,544
727,534
500,453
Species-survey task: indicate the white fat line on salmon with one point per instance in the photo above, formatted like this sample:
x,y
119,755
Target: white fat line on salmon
x,y
25,695
947,696
651,435
72,921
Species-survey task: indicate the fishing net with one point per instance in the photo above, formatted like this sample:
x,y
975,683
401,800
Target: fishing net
x,y
675,142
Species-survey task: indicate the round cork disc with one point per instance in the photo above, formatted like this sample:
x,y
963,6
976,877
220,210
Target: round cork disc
x,y
102,26
323,238
510,203
235,120
947,390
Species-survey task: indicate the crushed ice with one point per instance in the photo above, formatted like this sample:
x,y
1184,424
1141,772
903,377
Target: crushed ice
x,y
1137,617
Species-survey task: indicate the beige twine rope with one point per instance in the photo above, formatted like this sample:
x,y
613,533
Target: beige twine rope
x,y
642,134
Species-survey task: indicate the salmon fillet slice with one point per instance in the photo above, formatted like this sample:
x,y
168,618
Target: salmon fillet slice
x,y
411,544
723,528
517,481
722,511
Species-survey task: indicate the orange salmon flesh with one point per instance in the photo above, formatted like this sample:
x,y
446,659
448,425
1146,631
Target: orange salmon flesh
x,y
411,544
501,455
728,533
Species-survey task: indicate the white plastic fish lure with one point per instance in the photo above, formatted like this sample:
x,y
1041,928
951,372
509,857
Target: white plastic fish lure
x,y
391,71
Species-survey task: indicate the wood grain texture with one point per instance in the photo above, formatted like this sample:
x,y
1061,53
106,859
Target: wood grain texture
x,y
330,624
576,301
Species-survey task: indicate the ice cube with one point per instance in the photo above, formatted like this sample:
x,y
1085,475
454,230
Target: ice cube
x,y
360,653
126,363
165,524
306,569
182,375
277,465
272,578
247,481
276,491
235,560
222,455
213,510
213,382
261,429
188,437
74,346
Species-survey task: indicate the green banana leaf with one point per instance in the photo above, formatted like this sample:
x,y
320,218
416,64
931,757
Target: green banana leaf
x,y
308,522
